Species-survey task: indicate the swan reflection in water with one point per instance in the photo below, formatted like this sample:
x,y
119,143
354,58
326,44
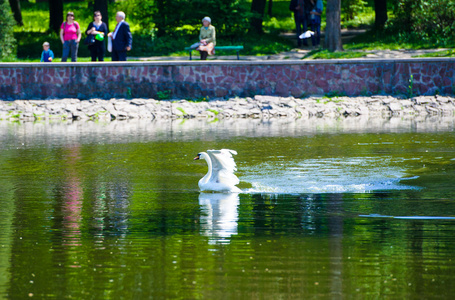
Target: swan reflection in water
x,y
219,215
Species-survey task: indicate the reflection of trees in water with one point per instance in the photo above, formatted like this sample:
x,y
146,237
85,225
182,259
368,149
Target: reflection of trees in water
x,y
145,130
285,214
335,223
72,198
111,207
83,199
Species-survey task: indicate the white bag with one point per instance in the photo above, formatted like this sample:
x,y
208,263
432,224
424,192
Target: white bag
x,y
306,34
109,44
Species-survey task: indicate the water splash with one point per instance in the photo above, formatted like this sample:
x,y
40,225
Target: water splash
x,y
329,175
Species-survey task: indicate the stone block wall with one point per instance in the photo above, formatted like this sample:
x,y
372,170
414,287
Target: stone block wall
x,y
195,79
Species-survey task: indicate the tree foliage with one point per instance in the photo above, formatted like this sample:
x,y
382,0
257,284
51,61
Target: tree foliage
x,y
350,8
102,6
171,17
7,41
429,20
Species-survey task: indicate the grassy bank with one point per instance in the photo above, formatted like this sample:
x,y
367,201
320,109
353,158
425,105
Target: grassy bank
x,y
31,36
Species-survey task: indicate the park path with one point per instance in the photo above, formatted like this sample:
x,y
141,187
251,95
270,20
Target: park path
x,y
297,54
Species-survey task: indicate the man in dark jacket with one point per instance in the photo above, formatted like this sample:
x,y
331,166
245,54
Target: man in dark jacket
x,y
122,40
301,9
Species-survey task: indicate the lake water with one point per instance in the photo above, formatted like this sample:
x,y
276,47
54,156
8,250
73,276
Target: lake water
x,y
349,208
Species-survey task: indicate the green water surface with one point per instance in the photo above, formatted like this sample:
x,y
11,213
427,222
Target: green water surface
x,y
330,209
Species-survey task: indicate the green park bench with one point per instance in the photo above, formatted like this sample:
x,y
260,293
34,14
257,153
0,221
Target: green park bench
x,y
236,48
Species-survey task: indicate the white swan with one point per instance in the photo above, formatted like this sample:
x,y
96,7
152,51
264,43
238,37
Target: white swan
x,y
220,177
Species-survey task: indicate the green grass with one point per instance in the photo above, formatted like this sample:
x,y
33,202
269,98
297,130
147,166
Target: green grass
x,y
57,59
362,20
282,19
381,40
31,36
35,31
215,112
36,15
444,53
326,54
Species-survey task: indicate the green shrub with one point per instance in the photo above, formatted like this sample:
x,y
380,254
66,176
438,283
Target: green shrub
x,y
424,20
182,17
350,8
7,40
164,95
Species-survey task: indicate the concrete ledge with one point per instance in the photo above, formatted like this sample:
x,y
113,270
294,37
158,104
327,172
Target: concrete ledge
x,y
283,62
194,79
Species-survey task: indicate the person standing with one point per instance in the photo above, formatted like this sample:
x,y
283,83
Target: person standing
x,y
99,29
207,38
70,35
122,39
47,55
315,17
301,9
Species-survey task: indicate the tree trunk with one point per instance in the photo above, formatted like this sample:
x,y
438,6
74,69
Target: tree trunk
x,y
380,10
55,15
333,27
102,5
270,8
160,17
257,8
16,8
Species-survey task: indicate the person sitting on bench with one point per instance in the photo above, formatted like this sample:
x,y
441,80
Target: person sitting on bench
x,y
207,38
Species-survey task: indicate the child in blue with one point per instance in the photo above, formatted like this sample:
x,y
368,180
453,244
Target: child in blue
x,y
315,16
47,55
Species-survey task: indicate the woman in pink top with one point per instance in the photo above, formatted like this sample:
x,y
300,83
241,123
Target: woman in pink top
x,y
70,35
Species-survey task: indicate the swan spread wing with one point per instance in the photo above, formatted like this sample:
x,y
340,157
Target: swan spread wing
x,y
223,166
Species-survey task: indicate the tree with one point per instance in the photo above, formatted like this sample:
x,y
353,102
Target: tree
x,y
257,8
333,27
160,17
102,6
432,21
7,41
55,14
351,8
16,8
380,9
270,8
167,19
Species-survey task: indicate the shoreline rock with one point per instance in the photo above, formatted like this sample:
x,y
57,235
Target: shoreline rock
x,y
259,107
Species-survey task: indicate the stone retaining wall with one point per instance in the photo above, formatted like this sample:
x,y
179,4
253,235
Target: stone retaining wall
x,y
194,79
